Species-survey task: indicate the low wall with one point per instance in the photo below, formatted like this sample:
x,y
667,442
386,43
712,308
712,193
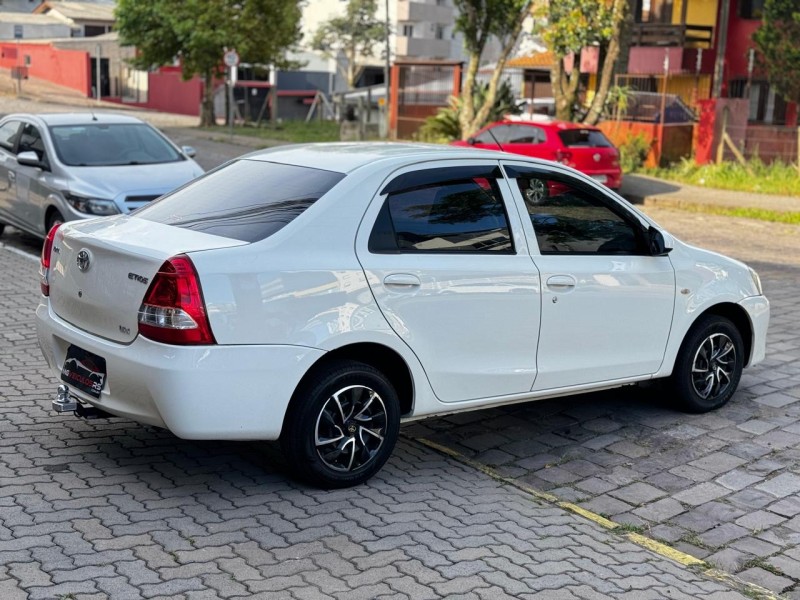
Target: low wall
x,y
69,68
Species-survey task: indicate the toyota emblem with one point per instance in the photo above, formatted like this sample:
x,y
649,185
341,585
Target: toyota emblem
x,y
83,260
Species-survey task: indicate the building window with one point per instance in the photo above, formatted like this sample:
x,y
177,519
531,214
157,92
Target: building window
x,y
439,32
765,105
751,9
653,11
408,30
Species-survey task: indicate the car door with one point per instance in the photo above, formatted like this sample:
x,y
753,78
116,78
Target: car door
x,y
8,160
448,266
31,189
607,304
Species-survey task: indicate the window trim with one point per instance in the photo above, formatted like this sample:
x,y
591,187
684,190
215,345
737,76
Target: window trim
x,y
513,172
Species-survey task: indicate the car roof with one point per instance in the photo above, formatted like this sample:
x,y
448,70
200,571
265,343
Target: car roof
x,y
344,157
552,124
75,118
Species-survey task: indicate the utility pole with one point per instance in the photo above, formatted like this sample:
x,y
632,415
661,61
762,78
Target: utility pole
x,y
387,71
722,45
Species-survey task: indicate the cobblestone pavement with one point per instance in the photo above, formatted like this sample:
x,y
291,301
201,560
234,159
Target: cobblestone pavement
x,y
724,486
110,509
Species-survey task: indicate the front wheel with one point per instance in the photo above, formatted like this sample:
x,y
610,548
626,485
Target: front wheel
x,y
55,218
709,365
342,425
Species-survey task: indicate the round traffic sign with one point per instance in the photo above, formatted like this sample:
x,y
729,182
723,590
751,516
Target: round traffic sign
x,y
231,58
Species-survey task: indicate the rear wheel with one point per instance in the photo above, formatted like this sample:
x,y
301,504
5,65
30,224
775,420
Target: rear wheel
x,y
709,365
342,425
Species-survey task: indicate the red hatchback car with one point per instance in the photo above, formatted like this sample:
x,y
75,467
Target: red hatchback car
x,y
578,146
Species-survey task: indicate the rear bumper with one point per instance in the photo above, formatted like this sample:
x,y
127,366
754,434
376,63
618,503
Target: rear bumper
x,y
200,392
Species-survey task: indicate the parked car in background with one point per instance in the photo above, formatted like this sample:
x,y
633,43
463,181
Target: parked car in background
x,y
62,167
581,147
320,294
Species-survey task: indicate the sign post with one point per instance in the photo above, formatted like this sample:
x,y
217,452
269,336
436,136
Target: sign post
x,y
231,60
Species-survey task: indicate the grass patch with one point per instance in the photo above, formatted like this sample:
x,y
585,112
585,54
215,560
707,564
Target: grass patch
x,y
760,563
762,214
296,132
777,178
630,528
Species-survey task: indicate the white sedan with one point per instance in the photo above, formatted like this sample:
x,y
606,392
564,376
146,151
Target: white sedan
x,y
322,294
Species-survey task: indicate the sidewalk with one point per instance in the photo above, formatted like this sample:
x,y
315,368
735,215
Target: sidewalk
x,y
642,189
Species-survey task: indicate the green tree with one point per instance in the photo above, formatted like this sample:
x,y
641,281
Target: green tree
x,y
479,21
570,26
197,33
355,34
777,41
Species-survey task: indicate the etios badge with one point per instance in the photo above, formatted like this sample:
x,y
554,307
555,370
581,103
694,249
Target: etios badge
x,y
84,260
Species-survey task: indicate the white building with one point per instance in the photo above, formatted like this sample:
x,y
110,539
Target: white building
x,y
25,26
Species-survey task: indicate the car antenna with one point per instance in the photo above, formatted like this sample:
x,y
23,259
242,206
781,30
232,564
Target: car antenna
x,y
496,141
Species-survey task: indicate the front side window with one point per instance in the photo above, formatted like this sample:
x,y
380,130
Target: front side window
x,y
247,200
456,216
493,135
567,220
111,144
8,135
30,140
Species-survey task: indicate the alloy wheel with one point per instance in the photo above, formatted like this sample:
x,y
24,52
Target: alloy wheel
x,y
713,366
350,428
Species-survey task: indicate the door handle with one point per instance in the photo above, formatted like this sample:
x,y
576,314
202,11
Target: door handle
x,y
12,176
561,283
402,281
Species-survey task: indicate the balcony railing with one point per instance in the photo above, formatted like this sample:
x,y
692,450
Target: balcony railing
x,y
665,34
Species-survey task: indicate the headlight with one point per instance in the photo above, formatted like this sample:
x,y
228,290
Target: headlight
x,y
92,206
757,282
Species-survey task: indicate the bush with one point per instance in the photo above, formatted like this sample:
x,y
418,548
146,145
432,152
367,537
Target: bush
x,y
633,152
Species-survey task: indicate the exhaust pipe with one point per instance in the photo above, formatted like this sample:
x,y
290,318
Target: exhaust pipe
x,y
64,402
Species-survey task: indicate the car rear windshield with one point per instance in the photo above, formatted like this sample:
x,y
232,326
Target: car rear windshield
x,y
246,200
111,144
590,138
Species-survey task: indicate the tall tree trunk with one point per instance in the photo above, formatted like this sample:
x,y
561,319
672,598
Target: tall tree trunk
x,y
482,115
207,108
467,113
606,71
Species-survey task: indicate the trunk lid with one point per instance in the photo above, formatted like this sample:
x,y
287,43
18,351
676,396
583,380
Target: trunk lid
x,y
590,150
101,269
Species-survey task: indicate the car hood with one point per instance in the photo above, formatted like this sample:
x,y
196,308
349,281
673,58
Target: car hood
x,y
118,182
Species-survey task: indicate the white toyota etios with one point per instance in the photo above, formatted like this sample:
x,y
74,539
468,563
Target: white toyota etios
x,y
321,294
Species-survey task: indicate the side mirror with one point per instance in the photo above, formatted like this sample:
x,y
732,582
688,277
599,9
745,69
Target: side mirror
x,y
30,159
656,243
189,151
471,141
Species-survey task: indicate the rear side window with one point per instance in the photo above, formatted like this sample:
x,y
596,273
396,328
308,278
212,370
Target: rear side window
x,y
589,138
8,135
465,216
247,200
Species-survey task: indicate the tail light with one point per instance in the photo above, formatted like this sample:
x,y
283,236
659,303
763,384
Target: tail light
x,y
44,267
173,310
564,156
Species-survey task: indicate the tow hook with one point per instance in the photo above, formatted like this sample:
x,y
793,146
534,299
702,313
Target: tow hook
x,y
64,402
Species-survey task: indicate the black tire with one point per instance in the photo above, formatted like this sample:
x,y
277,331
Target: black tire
x,y
332,448
52,219
705,376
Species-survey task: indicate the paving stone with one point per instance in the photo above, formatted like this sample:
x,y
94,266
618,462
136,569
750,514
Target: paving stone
x,y
638,493
781,485
723,534
773,582
700,494
718,462
759,520
737,480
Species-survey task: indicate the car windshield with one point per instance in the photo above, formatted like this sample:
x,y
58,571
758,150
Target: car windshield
x,y
111,144
246,200
591,138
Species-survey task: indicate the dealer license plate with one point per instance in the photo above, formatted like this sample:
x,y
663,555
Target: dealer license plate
x,y
84,370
